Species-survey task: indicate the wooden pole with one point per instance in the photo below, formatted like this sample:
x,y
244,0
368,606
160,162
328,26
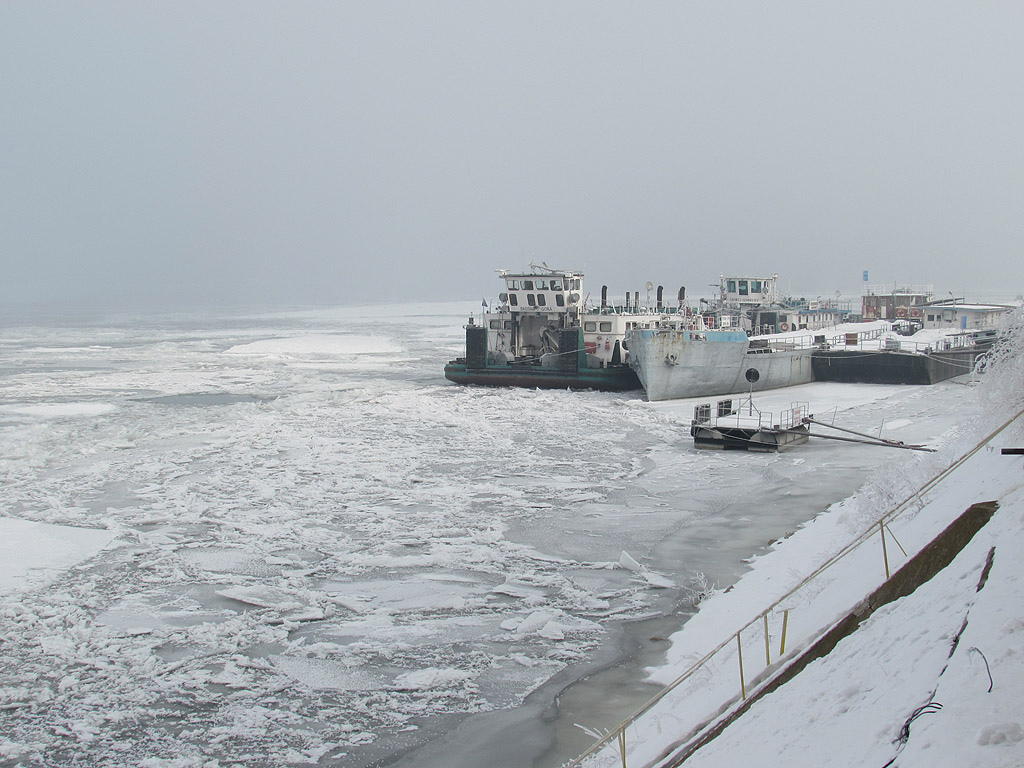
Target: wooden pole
x,y
743,685
767,647
885,554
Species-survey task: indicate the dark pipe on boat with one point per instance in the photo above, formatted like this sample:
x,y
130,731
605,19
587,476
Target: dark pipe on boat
x,y
661,290
604,296
627,299
682,295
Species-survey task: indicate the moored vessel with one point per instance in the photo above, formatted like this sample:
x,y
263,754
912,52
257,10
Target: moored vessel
x,y
711,352
542,333
676,362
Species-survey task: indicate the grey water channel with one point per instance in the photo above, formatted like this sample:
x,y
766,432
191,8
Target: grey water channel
x,y
699,517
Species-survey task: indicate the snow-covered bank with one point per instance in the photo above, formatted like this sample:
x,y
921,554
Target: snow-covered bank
x,y
913,682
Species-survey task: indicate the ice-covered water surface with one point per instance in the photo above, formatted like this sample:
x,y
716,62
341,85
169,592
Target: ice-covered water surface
x,y
326,554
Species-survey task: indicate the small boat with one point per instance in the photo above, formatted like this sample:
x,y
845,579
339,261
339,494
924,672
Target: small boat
x,y
745,428
542,333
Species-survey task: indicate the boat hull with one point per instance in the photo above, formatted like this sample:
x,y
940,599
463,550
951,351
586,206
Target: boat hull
x,y
616,378
675,364
711,437
891,367
571,368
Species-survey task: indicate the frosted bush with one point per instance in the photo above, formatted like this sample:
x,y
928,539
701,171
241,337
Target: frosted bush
x,y
700,589
1002,388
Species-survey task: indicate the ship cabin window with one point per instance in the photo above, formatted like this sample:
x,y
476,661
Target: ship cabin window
x,y
931,318
513,300
508,325
560,299
756,286
496,325
730,286
606,327
513,285
541,300
590,327
542,285
556,285
531,300
527,285
743,287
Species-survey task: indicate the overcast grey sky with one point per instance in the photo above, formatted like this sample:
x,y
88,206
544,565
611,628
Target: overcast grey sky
x,y
308,152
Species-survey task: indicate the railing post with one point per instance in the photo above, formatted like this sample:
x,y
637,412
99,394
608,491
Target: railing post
x,y
622,745
885,554
785,623
767,646
743,685
893,537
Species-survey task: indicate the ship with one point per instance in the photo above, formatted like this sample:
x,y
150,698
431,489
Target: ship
x,y
543,333
711,351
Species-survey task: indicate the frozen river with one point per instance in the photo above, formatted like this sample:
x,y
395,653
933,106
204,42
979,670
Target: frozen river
x,y
326,554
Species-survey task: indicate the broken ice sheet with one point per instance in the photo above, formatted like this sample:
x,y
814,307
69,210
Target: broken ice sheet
x,y
328,674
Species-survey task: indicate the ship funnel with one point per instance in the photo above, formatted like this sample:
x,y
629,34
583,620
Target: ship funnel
x,y
661,291
627,299
636,300
604,296
682,294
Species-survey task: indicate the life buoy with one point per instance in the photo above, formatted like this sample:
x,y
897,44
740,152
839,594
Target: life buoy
x,y
901,311
783,326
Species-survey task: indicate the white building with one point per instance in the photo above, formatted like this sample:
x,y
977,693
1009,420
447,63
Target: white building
x,y
964,316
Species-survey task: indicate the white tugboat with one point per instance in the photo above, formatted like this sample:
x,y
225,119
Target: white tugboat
x,y
542,333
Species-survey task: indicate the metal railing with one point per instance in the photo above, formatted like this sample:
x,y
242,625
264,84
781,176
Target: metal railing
x,y
757,631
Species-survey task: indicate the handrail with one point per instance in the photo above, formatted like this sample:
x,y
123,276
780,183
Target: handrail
x,y
618,732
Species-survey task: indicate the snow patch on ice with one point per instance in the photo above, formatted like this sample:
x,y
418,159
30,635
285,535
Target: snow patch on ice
x,y
326,674
431,677
35,554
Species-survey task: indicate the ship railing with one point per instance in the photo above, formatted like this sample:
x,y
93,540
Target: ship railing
x,y
710,692
789,343
794,416
645,309
745,415
871,341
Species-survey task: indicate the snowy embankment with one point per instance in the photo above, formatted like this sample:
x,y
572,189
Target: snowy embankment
x,y
932,679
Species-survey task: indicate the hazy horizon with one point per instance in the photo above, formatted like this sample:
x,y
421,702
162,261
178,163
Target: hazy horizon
x,y
321,153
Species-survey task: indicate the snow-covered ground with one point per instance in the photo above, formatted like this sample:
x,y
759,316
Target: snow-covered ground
x,y
284,539
932,679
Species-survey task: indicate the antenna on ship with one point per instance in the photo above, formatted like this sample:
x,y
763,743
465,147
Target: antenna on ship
x,y
751,375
